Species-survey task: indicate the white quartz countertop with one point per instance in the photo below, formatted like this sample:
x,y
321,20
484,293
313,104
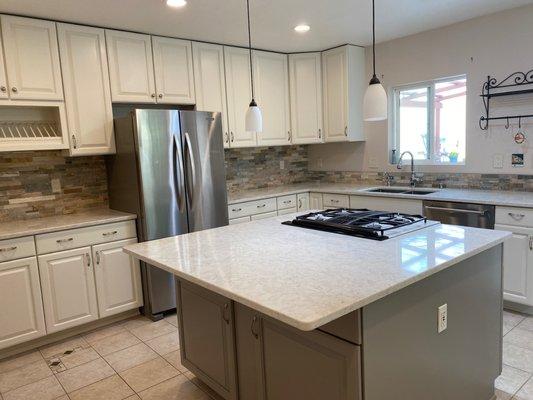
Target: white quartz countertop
x,y
304,277
13,229
492,197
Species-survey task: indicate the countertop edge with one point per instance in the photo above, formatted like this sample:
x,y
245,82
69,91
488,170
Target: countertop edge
x,y
315,323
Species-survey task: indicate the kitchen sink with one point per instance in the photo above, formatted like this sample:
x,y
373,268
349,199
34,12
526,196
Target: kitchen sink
x,y
401,191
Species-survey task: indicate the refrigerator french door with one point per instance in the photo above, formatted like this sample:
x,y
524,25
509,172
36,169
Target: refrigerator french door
x,y
169,170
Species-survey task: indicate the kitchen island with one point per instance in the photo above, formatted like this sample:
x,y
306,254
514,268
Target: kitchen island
x,y
270,311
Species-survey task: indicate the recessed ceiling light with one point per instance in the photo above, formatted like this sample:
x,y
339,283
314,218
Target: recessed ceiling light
x,y
176,3
302,28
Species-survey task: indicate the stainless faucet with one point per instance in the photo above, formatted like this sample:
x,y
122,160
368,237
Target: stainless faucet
x,y
414,180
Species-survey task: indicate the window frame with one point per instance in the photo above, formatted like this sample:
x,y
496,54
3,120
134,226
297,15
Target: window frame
x,y
395,120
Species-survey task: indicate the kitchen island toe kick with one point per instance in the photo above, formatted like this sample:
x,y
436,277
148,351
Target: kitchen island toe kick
x,y
247,346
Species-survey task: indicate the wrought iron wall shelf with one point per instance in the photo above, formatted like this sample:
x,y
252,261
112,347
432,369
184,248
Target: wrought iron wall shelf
x,y
492,88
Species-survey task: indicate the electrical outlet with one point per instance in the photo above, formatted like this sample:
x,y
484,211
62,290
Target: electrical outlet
x,y
282,164
442,323
497,161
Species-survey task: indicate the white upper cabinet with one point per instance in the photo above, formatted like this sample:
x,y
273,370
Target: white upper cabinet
x,y
22,317
305,75
344,83
131,71
87,91
209,81
271,83
174,78
239,94
32,59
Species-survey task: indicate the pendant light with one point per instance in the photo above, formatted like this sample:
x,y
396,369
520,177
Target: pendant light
x,y
254,117
375,102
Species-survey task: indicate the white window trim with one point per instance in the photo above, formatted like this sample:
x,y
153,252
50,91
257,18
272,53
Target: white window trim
x,y
394,139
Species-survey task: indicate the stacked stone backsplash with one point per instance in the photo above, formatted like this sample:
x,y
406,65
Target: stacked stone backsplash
x,y
46,183
259,167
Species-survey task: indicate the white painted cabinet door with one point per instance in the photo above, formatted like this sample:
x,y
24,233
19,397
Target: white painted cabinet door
x,y
174,79
69,293
118,278
131,68
334,69
316,201
239,94
271,82
87,91
518,265
21,318
209,81
303,201
305,75
32,58
4,93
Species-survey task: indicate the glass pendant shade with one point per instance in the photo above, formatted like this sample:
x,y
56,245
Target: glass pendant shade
x,y
254,119
375,101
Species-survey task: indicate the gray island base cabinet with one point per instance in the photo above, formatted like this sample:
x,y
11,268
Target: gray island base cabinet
x,y
390,349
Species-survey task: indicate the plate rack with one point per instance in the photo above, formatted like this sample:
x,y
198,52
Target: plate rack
x,y
518,83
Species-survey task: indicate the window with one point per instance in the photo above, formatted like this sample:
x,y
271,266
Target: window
x,y
429,120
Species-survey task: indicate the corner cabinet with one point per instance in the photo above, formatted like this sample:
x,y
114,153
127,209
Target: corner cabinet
x,y
305,76
271,83
239,94
87,90
343,70
32,59
131,71
207,343
210,82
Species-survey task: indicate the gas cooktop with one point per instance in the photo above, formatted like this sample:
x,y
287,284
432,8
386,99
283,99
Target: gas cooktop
x,y
377,225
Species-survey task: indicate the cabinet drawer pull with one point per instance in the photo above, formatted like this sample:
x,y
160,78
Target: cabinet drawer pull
x,y
252,327
236,209
232,136
261,206
224,313
531,243
335,201
226,137
299,203
64,240
516,217
74,142
287,201
88,258
289,134
320,133
6,249
109,233
345,131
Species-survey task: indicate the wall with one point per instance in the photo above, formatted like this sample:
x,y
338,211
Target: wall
x,y
495,45
259,167
45,183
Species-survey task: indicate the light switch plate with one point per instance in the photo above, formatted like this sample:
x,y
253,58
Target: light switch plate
x,y
282,164
497,161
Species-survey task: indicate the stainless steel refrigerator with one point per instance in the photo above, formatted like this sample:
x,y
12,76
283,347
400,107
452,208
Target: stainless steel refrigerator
x,y
169,170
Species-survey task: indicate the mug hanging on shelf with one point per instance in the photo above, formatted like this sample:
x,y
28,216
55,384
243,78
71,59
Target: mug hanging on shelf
x,y
519,137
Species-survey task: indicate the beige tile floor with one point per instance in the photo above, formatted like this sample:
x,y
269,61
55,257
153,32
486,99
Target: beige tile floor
x,y
133,359
139,359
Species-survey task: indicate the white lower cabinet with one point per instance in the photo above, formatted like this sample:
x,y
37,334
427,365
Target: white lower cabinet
x,y
518,265
21,317
69,292
316,201
303,201
118,278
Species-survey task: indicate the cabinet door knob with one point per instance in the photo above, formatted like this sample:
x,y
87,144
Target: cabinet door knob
x,y
14,89
252,327
299,203
320,133
232,137
531,243
74,141
160,95
289,135
225,312
152,95
3,89
226,137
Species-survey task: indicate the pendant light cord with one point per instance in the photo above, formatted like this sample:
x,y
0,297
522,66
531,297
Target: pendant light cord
x,y
374,37
250,47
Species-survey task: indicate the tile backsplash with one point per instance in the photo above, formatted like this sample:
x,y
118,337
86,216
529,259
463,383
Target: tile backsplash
x,y
45,183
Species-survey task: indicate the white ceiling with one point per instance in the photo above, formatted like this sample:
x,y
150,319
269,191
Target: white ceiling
x,y
333,22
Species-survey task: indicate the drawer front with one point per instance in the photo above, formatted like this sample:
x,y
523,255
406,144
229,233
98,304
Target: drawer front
x,y
287,211
286,202
12,249
74,238
264,215
251,207
336,200
406,206
514,216
240,220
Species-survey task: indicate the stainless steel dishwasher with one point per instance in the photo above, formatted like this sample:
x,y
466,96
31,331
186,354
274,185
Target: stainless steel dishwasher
x,y
466,214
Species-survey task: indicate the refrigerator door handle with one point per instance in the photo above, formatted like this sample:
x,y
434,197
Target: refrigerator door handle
x,y
178,175
190,190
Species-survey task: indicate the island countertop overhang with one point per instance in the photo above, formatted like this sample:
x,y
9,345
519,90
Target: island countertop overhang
x,y
307,278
